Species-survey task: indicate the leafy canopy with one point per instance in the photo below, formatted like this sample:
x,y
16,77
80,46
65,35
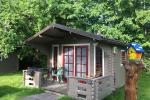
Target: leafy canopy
x,y
125,20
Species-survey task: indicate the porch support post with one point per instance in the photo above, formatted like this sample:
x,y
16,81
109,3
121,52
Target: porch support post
x,y
95,59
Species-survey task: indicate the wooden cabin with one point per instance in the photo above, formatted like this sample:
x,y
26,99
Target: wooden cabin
x,y
84,55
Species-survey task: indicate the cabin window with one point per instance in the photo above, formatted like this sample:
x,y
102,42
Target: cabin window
x,y
99,59
123,56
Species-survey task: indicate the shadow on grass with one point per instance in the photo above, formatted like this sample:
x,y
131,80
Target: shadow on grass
x,y
5,90
18,92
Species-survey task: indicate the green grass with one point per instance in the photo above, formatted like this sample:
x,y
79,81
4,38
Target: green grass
x,y
11,87
66,98
143,89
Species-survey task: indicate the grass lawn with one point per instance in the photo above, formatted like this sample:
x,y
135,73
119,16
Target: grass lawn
x,y
11,87
143,89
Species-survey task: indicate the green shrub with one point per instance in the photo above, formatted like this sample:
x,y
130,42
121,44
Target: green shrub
x,y
147,63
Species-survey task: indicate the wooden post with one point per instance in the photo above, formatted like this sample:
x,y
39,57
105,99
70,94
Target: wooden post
x,y
132,73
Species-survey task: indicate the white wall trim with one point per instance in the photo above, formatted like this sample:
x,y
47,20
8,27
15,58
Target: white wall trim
x,y
89,63
74,61
95,59
103,63
76,44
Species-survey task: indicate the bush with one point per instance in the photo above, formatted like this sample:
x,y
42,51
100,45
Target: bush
x,y
147,63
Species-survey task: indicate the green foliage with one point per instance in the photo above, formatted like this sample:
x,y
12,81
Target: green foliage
x,y
114,33
147,63
125,20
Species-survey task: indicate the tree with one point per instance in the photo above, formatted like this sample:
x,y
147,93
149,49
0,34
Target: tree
x,y
125,20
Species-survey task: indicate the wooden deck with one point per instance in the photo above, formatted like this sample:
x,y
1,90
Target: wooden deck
x,y
56,87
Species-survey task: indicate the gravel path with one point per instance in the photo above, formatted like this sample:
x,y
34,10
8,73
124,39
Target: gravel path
x,y
44,96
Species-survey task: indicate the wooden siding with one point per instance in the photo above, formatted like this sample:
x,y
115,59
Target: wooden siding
x,y
108,63
90,89
119,70
112,63
10,64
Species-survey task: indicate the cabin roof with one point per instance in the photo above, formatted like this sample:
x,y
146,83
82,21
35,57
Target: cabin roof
x,y
137,47
53,31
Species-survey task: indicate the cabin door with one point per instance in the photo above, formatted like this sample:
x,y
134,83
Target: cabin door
x,y
68,61
81,58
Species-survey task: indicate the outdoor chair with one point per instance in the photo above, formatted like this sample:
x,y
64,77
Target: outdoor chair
x,y
58,73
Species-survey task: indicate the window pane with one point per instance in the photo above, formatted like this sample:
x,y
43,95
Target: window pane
x,y
78,51
66,67
83,74
78,60
66,59
78,68
83,68
66,74
83,60
70,59
70,51
78,74
66,51
70,73
84,52
70,67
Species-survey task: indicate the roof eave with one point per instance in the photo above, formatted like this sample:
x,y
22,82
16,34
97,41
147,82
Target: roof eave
x,y
115,42
79,32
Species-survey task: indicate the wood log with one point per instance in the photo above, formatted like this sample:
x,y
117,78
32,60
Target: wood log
x,y
132,74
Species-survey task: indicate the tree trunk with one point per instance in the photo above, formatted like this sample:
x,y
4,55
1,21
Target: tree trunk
x,y
132,74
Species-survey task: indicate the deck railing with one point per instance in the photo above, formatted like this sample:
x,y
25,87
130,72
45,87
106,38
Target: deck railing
x,y
35,77
90,89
